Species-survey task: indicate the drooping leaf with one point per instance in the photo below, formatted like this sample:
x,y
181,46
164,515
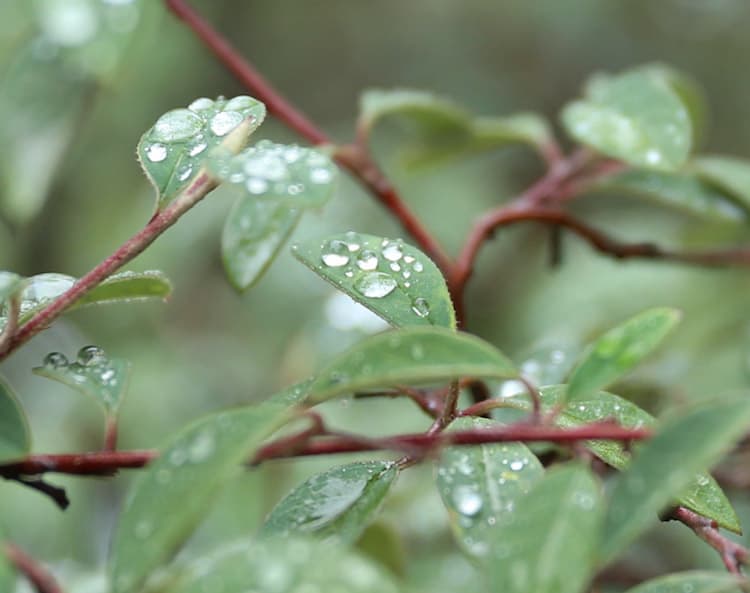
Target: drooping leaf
x,y
410,356
339,502
548,544
129,287
679,191
694,581
284,565
93,374
173,151
619,350
480,484
666,464
15,438
278,173
728,174
635,117
438,129
391,278
170,497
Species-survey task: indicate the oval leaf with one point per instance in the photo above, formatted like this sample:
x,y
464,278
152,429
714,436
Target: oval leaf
x,y
666,464
298,177
339,502
619,350
548,544
171,496
289,565
172,152
394,280
15,438
93,374
479,485
729,174
694,581
128,287
634,117
678,191
410,356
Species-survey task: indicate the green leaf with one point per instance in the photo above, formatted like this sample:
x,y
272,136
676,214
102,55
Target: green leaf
x,y
694,581
93,374
278,173
339,502
479,485
288,565
173,151
729,174
410,356
128,287
439,129
10,284
548,544
7,572
635,117
394,280
679,191
666,464
703,495
619,350
171,496
15,438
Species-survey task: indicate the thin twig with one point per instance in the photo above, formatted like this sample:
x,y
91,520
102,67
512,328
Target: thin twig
x,y
38,576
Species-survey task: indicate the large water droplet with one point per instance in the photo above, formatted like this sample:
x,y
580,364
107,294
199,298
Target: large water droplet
x,y
224,122
335,254
239,103
201,104
91,356
467,500
176,126
375,285
156,153
392,251
367,260
55,360
421,307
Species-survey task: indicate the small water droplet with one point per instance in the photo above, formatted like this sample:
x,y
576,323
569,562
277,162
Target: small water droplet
x,y
375,285
156,153
467,501
653,157
184,172
256,186
224,122
55,360
201,104
408,259
239,103
176,126
335,254
198,148
321,175
202,447
367,260
406,274
417,267
395,267
392,251
517,465
91,355
295,189
421,307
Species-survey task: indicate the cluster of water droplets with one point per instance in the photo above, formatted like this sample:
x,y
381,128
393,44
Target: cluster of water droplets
x,y
375,273
279,171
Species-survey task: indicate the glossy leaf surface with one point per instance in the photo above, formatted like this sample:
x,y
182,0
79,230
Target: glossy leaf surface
x,y
339,502
410,356
391,278
479,485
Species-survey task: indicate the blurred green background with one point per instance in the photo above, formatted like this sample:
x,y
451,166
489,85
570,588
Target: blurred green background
x,y
210,347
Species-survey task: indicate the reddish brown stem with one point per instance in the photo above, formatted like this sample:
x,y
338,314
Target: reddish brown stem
x,y
37,575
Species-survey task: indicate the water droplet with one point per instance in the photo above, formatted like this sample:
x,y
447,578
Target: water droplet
x,y
517,465
239,103
421,307
55,360
184,172
176,126
202,447
467,501
417,267
335,254
177,457
392,251
653,157
321,175
295,189
156,153
406,274
201,104
198,148
91,355
256,186
367,260
395,267
224,122
375,285
408,259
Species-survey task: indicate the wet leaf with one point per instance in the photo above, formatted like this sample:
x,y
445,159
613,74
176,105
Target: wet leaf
x,y
679,191
338,503
619,350
171,496
666,464
15,438
728,174
173,151
635,117
479,485
129,287
548,545
288,565
93,374
410,356
391,278
694,581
